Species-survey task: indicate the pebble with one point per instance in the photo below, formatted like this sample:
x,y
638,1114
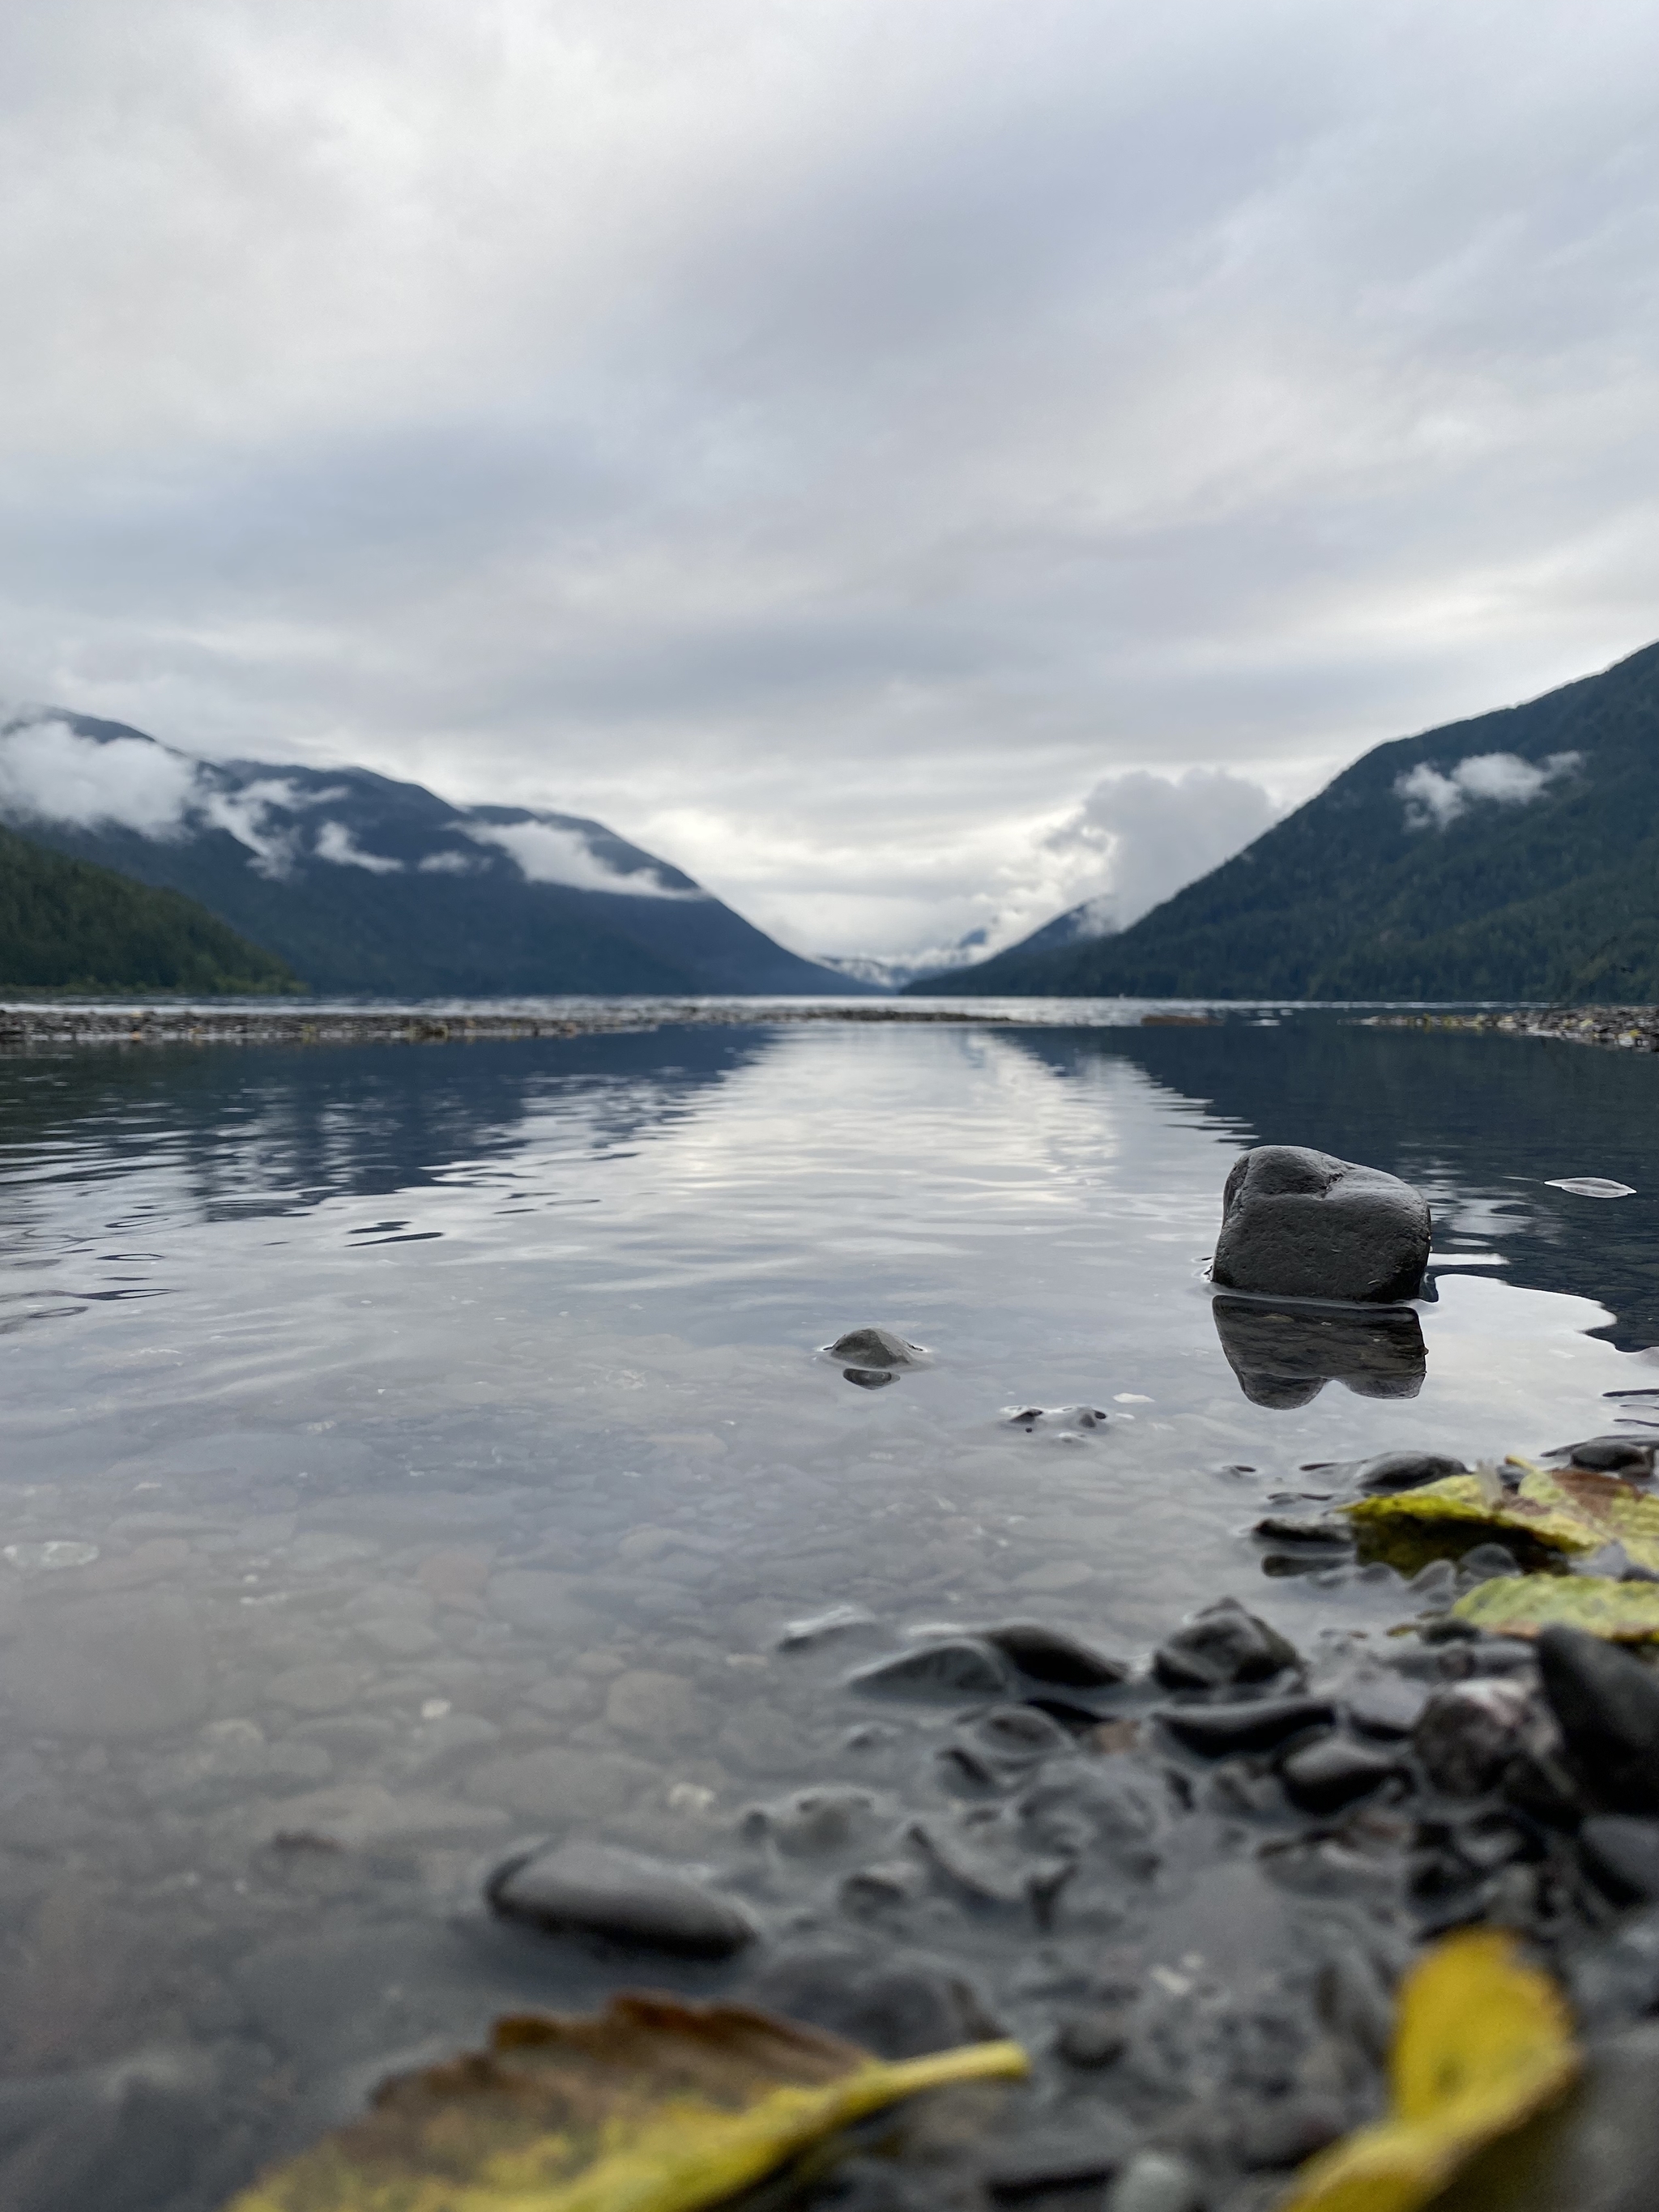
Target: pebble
x,y
1324,1778
1326,1530
1223,1644
1060,2159
1049,1654
1607,1705
1610,1455
1094,2038
589,1889
1258,1724
1621,1855
1467,1736
955,1666
876,1348
1405,1470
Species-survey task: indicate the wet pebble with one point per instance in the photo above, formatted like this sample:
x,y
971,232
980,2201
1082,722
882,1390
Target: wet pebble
x,y
1467,1736
876,1348
1326,1776
1321,1531
1059,2159
1223,1644
1383,1706
1094,2038
1621,1855
953,1666
1405,1470
589,1889
1606,1703
1222,1731
1050,1655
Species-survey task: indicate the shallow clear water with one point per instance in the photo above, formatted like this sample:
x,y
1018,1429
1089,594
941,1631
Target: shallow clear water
x,y
411,1451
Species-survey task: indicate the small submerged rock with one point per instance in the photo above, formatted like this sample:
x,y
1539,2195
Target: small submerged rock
x,y
1334,1772
1405,1470
1630,1455
953,1666
1257,1724
591,1889
1223,1644
866,1348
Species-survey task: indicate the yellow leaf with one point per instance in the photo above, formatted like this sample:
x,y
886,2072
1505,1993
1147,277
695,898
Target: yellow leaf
x,y
1481,2042
1573,1511
1520,1605
652,2105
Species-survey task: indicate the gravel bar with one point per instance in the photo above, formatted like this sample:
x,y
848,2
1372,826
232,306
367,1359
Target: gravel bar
x,y
32,1028
1628,1029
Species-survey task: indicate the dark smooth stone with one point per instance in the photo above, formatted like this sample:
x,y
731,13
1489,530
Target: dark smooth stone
x,y
1611,1454
1405,1470
1094,2038
899,2007
1383,1706
589,1889
1223,1644
1258,1724
1606,1703
1049,1654
1621,1855
1323,1777
1300,1224
1467,1736
1016,1735
874,1347
955,1666
1058,2159
1325,1530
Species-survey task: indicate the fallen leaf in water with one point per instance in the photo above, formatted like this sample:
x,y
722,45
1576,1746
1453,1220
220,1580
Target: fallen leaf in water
x,y
1520,1605
652,2105
1571,1511
1481,2042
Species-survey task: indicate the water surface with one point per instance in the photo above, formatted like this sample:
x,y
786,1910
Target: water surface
x,y
412,1450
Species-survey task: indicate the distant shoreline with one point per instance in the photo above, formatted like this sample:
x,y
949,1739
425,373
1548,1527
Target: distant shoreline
x,y
54,1025
1628,1029
25,1028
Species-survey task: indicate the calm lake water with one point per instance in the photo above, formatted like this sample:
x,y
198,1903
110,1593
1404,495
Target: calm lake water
x,y
409,1451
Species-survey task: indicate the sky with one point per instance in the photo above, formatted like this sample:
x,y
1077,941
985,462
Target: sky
x,y
914,465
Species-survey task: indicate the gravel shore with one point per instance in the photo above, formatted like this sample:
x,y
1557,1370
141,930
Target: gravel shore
x,y
1630,1029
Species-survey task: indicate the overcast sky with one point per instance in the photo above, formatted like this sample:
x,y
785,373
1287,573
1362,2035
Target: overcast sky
x,y
829,440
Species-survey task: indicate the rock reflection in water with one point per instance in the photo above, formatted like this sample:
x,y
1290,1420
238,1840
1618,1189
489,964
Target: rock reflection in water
x,y
1284,1356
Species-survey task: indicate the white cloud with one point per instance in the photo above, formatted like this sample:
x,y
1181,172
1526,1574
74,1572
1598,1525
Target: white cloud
x,y
1153,834
548,855
50,773
1433,799
451,864
336,842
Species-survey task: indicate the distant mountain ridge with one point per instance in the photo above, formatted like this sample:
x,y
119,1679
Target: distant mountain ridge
x,y
1515,855
362,885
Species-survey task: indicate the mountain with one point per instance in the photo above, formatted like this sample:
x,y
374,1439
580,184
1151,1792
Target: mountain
x,y
362,885
68,926
1513,856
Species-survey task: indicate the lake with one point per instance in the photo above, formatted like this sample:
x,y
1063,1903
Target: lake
x,y
413,1451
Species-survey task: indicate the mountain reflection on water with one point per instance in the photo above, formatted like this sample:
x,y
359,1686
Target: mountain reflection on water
x,y
412,1450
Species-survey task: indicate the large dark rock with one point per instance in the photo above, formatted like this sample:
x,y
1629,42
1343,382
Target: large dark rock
x,y
1298,1224
954,1667
1049,1654
589,1889
1606,1703
1285,1358
1222,1644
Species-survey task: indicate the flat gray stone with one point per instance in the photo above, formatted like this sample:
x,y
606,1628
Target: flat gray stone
x,y
589,1889
955,1666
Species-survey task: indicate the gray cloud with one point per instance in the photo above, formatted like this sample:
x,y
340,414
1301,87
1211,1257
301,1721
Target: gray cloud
x,y
823,445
